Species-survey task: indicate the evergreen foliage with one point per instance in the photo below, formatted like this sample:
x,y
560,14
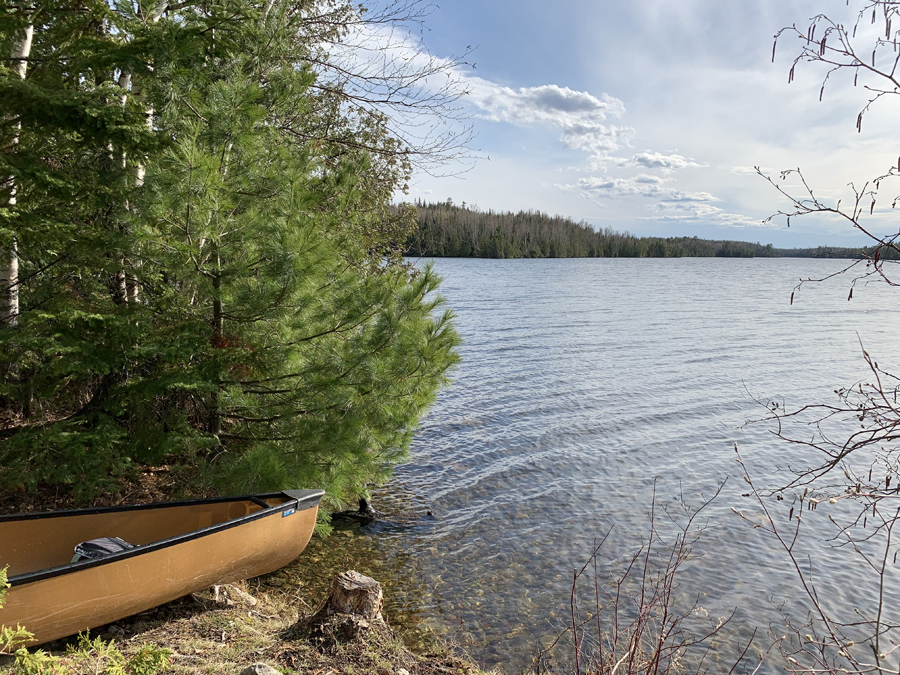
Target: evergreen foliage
x,y
210,267
445,229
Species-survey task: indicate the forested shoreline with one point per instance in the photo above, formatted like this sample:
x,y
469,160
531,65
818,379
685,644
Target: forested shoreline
x,y
457,231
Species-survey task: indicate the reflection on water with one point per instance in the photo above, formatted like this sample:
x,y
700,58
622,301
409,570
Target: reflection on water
x,y
582,382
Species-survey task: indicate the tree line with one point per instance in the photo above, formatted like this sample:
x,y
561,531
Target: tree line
x,y
449,230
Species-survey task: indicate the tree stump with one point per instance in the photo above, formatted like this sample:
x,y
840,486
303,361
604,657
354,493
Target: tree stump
x,y
352,611
355,594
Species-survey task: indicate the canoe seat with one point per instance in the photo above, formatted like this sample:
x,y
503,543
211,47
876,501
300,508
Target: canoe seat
x,y
98,548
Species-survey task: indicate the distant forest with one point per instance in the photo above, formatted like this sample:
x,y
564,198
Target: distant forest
x,y
447,230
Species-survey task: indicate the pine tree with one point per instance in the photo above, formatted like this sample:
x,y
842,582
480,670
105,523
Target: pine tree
x,y
221,290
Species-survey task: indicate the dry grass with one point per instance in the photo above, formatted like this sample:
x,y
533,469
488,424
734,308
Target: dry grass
x,y
205,638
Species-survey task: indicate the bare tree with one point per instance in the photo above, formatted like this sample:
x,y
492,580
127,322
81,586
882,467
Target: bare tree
x,y
636,621
869,49
855,467
861,639
373,64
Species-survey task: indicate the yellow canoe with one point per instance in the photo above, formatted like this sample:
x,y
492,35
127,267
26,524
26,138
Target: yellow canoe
x,y
179,548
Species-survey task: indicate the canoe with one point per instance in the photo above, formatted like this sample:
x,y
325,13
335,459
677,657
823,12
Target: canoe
x,y
178,548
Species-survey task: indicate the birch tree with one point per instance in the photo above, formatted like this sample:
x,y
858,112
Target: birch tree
x,y
9,270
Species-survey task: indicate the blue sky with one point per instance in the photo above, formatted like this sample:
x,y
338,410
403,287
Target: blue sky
x,y
648,115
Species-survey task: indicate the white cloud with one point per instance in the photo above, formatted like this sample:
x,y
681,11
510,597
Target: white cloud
x,y
656,160
546,103
678,196
669,204
693,109
647,178
580,115
585,123
689,211
643,185
745,170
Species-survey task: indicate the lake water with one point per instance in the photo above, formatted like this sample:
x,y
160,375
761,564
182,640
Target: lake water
x,y
583,383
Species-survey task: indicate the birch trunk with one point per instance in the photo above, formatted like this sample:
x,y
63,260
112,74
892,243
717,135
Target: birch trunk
x,y
9,272
120,284
9,283
128,286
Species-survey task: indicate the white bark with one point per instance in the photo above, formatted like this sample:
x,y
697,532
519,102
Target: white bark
x,y
127,286
124,82
9,282
21,50
9,271
154,16
121,285
157,12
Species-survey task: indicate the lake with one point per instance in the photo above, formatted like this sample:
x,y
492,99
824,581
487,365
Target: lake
x,y
584,383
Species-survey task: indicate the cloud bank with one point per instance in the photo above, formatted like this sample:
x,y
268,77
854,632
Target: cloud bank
x,y
584,122
595,125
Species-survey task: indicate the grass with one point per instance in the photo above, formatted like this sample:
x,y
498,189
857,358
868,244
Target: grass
x,y
203,637
200,636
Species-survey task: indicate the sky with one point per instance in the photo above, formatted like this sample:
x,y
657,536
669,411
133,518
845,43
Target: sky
x,y
648,116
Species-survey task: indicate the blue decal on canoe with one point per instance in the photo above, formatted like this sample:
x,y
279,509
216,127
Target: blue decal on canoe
x,y
288,513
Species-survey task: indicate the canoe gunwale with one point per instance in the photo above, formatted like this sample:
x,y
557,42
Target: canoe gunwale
x,y
297,500
299,495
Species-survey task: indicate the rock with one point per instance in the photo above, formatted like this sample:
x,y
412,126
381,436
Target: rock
x,y
226,595
364,515
260,669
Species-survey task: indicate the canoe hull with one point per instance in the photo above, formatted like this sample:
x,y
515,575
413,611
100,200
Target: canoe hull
x,y
80,596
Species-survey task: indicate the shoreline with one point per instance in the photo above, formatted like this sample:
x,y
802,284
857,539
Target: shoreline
x,y
236,627
248,624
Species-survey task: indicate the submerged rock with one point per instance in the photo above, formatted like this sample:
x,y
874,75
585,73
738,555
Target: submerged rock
x,y
364,515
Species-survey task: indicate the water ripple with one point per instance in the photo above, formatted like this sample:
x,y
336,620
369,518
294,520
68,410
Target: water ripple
x,y
583,384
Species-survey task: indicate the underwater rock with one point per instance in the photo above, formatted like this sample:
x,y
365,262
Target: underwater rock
x,y
365,514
